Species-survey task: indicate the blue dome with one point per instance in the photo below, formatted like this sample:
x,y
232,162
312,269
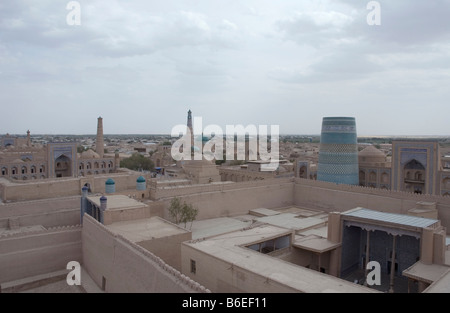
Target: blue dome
x,y
110,182
140,179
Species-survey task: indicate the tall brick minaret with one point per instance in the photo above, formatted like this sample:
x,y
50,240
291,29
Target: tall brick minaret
x,y
99,145
189,121
28,139
189,126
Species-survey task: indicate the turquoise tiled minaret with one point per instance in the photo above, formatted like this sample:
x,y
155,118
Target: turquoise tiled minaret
x,y
338,155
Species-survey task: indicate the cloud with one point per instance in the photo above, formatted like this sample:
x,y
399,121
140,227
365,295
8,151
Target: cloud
x,y
336,67
404,23
314,28
244,60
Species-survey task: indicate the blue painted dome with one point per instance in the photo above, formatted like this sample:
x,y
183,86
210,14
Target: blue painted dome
x,y
110,182
140,179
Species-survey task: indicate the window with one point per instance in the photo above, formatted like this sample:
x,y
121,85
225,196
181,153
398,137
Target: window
x,y
193,267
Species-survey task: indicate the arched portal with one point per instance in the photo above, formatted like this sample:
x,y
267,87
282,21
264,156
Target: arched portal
x,y
303,173
63,166
413,177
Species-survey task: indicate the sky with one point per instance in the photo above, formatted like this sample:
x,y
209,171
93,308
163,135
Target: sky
x,y
142,64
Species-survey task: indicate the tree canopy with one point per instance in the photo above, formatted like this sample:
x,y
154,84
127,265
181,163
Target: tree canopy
x,y
137,162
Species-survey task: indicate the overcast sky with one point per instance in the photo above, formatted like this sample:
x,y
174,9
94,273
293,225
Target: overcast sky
x,y
143,64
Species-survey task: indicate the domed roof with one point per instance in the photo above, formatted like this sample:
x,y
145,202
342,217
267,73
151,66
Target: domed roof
x,y
17,161
109,181
140,179
371,151
89,154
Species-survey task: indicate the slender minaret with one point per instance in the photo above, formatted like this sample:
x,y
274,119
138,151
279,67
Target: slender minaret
x,y
189,121
117,160
99,145
28,139
189,126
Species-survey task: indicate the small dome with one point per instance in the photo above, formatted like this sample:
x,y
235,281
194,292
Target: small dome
x,y
371,151
103,198
109,181
17,161
371,154
89,154
140,179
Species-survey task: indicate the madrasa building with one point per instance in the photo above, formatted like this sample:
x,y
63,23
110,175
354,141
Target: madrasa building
x,y
22,160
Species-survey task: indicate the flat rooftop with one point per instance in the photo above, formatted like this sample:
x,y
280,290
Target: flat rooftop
x,y
117,202
391,218
263,212
217,226
319,231
145,229
442,285
301,212
229,248
292,221
428,273
314,243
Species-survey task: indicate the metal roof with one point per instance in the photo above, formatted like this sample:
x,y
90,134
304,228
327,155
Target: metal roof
x,y
401,219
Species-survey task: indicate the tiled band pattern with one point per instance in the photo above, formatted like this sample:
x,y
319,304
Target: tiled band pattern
x,y
338,157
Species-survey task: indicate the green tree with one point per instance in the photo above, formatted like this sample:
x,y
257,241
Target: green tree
x,y
189,214
176,210
137,162
182,213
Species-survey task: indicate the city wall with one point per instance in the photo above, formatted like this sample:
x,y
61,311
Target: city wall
x,y
48,213
230,199
29,254
237,175
118,265
11,191
332,197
